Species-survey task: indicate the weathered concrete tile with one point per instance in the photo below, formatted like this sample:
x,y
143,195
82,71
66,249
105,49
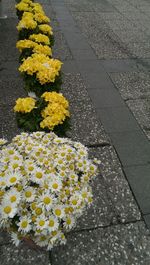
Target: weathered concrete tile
x,y
73,88
141,111
78,5
60,48
9,70
117,119
138,177
121,244
139,50
116,184
10,255
85,126
10,90
4,238
101,212
132,85
132,147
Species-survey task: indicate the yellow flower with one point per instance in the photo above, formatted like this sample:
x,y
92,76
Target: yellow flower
x,y
41,18
46,69
44,49
40,38
27,22
22,6
46,29
24,105
25,44
56,111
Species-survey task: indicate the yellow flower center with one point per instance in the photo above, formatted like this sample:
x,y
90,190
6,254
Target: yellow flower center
x,y
54,233
28,194
41,223
15,166
74,202
68,221
38,211
51,223
47,200
58,212
11,152
7,209
55,186
39,175
84,195
13,179
24,224
13,198
30,168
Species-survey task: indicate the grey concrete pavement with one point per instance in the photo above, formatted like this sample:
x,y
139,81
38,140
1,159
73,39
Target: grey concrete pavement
x,y
105,51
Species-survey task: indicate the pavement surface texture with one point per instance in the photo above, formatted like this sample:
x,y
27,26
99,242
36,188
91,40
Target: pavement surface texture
x,y
105,48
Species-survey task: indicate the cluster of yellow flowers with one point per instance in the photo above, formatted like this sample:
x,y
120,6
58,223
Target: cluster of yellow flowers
x,y
24,105
37,63
56,111
27,22
44,187
53,114
35,47
46,69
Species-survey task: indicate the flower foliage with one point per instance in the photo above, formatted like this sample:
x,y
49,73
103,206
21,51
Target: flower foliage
x,y
44,187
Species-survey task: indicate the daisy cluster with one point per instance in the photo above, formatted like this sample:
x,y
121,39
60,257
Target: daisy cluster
x,y
44,186
41,72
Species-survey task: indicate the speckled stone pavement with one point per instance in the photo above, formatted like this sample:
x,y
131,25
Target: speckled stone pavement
x,y
105,47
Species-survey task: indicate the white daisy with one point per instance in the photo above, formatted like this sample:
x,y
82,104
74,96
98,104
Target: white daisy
x,y
3,141
47,200
29,194
55,184
38,176
69,222
15,239
7,210
75,200
13,178
24,224
12,196
53,223
58,211
41,240
41,223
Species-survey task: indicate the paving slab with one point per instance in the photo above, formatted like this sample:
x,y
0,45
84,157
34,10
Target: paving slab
x,y
141,110
78,5
138,178
118,190
10,255
60,48
139,50
11,89
9,70
121,65
115,245
132,85
85,126
132,147
73,87
101,213
4,238
117,119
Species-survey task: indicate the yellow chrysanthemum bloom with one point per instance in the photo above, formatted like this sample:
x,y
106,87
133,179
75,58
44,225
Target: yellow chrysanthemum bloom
x,y
56,111
24,105
41,18
46,69
55,97
44,49
40,38
25,44
46,29
27,22
22,6
36,8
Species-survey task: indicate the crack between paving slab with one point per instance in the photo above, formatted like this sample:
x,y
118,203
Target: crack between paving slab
x,y
105,226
